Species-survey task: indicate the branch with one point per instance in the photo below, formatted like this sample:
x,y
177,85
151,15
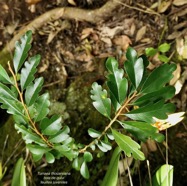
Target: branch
x,y
92,16
111,122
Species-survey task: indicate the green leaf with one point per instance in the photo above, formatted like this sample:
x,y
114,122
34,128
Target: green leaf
x,y
27,73
158,78
94,133
100,100
66,151
146,113
107,145
19,176
100,146
164,47
142,130
111,176
88,157
134,67
60,136
28,135
32,91
129,146
164,93
77,163
21,50
84,171
117,84
51,126
12,107
4,77
41,105
163,58
163,176
49,157
110,136
37,151
150,52
7,93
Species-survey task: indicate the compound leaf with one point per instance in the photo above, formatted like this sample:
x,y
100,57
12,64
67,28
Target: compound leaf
x,y
111,176
158,78
134,67
146,113
142,130
27,73
21,50
41,105
32,91
51,126
100,100
4,77
129,146
117,84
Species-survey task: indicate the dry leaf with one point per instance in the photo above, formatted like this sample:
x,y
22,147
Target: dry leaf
x,y
141,32
110,32
176,75
72,2
181,46
164,6
11,28
107,41
124,164
123,41
86,32
179,2
151,144
32,2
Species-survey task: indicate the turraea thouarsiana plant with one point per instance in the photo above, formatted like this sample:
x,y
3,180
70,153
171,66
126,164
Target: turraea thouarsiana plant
x,y
134,97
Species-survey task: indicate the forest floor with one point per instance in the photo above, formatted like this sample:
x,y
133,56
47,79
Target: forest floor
x,y
78,39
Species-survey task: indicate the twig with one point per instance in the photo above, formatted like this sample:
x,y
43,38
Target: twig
x,y
26,110
110,124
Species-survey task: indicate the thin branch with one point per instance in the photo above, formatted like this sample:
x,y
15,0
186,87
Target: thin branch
x,y
110,124
25,108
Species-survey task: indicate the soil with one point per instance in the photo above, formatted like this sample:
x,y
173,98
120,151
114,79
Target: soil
x,y
73,53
